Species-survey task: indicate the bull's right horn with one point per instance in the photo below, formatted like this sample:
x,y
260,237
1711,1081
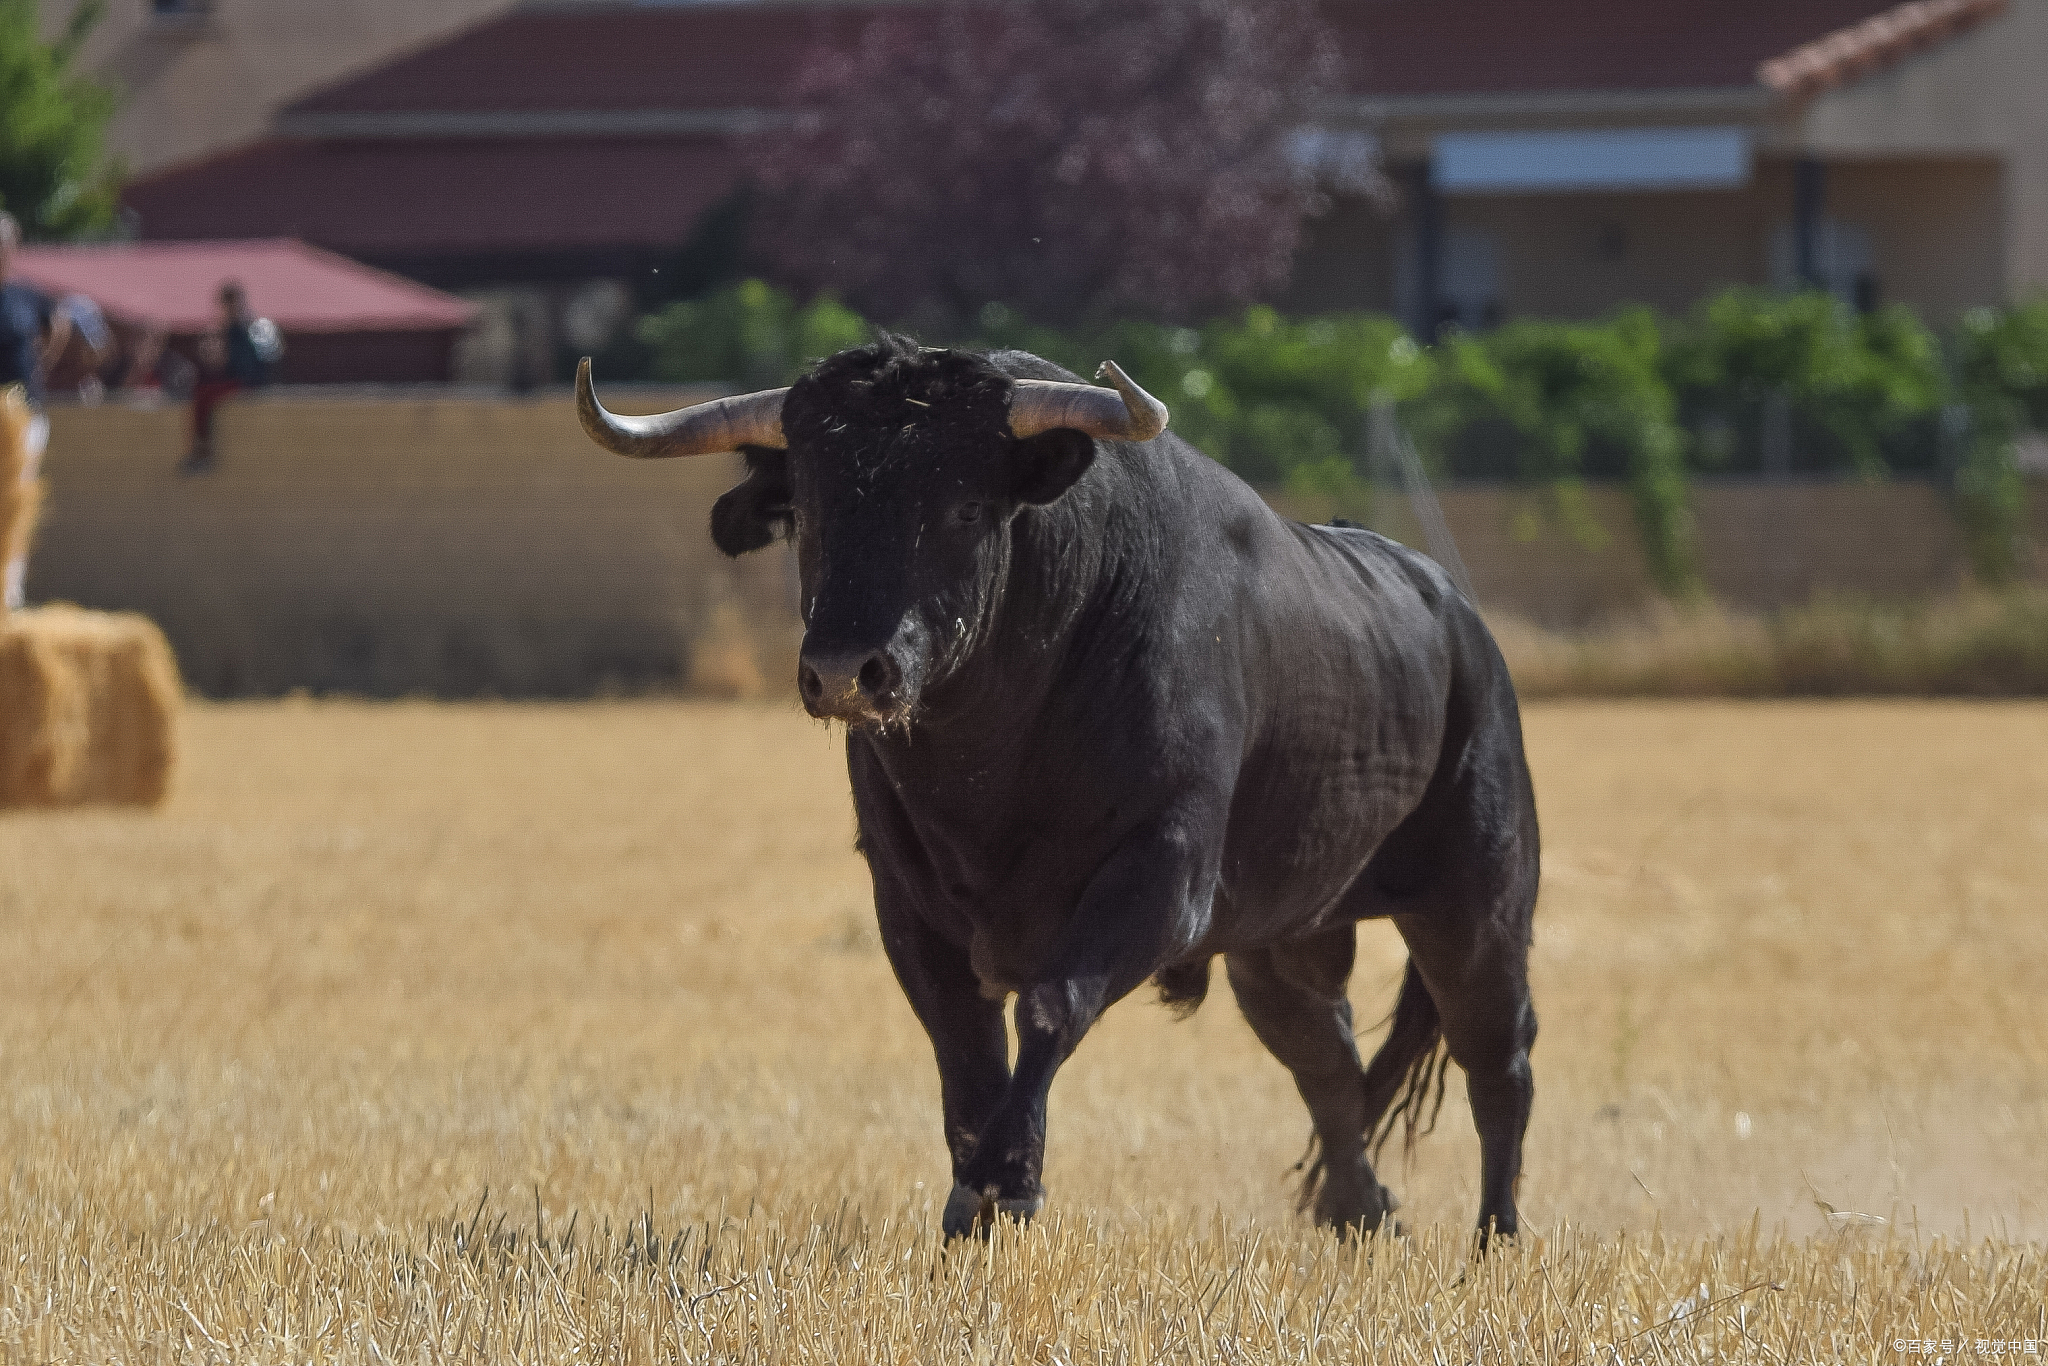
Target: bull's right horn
x,y
1125,413
723,424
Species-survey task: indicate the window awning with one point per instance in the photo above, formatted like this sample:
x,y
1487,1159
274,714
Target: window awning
x,y
1604,159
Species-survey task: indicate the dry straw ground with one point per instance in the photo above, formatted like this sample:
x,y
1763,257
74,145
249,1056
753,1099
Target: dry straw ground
x,y
297,1069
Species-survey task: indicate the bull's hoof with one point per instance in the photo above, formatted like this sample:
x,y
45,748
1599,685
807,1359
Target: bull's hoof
x,y
972,1213
963,1212
1365,1208
1021,1210
1493,1234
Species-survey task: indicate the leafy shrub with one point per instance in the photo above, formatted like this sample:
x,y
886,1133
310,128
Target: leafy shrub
x,y
1266,395
1633,398
1577,399
1853,385
749,333
2001,365
2003,354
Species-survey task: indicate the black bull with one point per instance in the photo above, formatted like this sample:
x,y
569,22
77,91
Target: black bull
x,y
1109,717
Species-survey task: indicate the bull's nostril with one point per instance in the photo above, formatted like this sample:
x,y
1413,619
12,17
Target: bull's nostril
x,y
875,676
808,682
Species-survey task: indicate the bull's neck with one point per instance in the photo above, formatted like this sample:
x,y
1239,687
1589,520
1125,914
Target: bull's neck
x,y
1077,569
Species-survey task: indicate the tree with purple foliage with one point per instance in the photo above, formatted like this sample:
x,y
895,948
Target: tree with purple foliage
x,y
1071,158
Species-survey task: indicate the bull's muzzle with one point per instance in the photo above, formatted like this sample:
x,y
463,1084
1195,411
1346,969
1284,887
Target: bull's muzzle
x,y
857,686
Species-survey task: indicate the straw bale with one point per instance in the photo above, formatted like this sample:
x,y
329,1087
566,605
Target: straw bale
x,y
19,498
88,709
19,506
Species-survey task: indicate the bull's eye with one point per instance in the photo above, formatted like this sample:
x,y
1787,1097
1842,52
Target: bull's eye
x,y
968,512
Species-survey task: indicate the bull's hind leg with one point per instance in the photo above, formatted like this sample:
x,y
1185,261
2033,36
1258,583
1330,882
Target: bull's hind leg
x,y
1474,961
1293,995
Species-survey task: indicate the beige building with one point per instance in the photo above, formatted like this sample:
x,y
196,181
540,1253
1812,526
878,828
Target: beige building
x,y
200,76
1548,157
1563,158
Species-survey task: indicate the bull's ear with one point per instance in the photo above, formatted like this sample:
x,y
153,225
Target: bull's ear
x,y
1045,466
757,509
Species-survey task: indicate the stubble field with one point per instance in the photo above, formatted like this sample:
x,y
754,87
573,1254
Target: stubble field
x,y
527,1033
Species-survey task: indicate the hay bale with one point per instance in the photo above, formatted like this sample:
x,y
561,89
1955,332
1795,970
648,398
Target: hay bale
x,y
88,709
18,510
18,513
19,495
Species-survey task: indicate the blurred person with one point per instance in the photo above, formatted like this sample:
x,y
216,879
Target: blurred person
x,y
142,369
238,355
77,366
33,333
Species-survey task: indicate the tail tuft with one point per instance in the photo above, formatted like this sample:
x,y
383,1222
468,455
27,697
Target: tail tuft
x,y
1312,1168
1408,1073
1183,986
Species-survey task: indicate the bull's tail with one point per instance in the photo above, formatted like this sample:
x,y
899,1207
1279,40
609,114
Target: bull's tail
x,y
1407,1075
1182,987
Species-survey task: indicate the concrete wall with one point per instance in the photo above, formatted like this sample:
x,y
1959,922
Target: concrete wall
x,y
446,544
465,545
1760,545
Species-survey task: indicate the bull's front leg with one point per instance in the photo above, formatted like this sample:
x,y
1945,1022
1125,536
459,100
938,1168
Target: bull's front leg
x,y
965,1027
1147,906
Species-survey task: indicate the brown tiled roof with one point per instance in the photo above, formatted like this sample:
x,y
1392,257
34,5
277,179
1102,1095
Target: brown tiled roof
x,y
1403,48
1850,53
741,55
577,128
698,56
421,197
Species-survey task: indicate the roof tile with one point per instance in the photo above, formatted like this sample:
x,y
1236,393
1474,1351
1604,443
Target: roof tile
x,y
1848,53
425,197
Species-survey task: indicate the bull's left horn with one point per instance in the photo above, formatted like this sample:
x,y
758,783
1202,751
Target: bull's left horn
x,y
723,424
1125,413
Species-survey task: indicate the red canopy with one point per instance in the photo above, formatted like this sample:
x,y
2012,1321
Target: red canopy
x,y
175,286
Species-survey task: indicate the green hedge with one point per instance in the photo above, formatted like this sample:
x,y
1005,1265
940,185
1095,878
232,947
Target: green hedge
x,y
2001,372
1637,397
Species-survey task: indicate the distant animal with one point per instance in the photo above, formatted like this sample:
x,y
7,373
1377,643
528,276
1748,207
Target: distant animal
x,y
1109,717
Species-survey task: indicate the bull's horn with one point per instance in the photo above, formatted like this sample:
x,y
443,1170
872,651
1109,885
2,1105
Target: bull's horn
x,y
723,424
1126,413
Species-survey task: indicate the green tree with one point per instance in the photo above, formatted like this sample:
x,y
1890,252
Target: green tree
x,y
1076,160
55,175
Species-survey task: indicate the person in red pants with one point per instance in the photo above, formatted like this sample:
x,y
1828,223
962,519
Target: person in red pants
x,y
239,356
